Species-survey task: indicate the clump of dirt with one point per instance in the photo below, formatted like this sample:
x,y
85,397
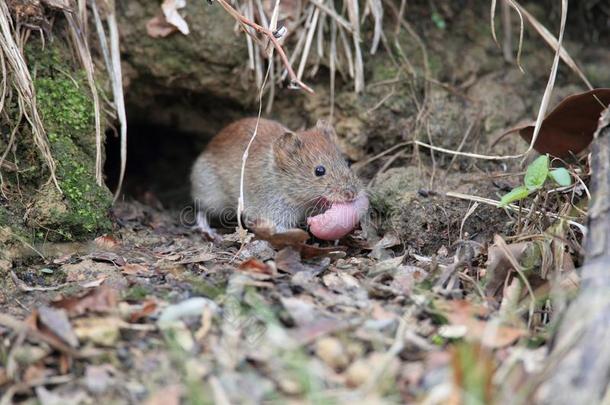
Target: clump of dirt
x,y
404,205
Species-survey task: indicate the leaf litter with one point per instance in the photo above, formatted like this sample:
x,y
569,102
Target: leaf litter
x,y
294,319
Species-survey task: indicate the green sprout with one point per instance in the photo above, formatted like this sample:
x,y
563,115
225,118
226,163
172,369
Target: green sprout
x,y
536,175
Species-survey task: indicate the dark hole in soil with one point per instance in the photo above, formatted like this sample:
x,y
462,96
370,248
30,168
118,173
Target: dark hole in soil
x,y
165,136
158,163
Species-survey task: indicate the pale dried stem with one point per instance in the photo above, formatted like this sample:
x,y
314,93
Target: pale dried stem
x,y
119,98
354,18
22,82
77,29
514,208
269,34
311,30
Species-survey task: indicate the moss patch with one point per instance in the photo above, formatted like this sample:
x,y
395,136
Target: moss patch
x,y
66,108
67,113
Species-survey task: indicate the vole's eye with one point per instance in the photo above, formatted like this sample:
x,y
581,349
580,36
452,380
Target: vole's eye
x,y
320,171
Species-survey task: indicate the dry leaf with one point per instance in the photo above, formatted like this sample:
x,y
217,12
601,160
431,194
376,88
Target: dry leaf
x,y
296,239
291,237
147,308
487,332
56,321
289,260
569,128
134,269
102,331
256,266
106,242
100,300
94,283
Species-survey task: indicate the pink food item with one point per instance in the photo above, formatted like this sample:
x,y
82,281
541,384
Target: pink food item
x,y
339,220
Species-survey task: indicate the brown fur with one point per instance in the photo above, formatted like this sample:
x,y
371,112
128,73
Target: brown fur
x,y
280,184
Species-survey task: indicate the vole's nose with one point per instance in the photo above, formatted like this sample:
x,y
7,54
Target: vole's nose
x,y
349,193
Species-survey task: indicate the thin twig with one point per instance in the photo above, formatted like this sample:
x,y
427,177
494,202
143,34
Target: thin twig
x,y
513,207
262,30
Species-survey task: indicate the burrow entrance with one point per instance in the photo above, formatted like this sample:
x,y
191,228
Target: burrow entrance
x,y
165,135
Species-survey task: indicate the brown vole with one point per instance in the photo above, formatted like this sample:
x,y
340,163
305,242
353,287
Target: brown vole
x,y
290,178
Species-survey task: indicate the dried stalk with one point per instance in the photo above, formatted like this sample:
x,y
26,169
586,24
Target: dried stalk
x,y
269,34
22,82
77,30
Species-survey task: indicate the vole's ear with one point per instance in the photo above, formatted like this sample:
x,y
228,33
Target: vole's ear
x,y
326,128
287,144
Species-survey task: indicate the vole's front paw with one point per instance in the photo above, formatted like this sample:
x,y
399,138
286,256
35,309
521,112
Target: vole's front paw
x,y
206,230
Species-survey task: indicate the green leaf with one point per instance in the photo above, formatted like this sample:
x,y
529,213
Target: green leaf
x,y
516,194
561,176
438,21
537,173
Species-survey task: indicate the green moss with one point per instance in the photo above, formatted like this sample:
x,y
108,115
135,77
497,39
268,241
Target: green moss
x,y
384,71
67,112
136,293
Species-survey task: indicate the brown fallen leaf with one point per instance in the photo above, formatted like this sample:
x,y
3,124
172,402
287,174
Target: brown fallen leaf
x,y
106,257
498,265
101,300
94,283
280,240
106,242
289,260
256,266
569,128
147,308
296,239
135,269
56,321
467,315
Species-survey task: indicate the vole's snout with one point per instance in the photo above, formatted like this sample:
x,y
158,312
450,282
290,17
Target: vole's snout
x,y
349,193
